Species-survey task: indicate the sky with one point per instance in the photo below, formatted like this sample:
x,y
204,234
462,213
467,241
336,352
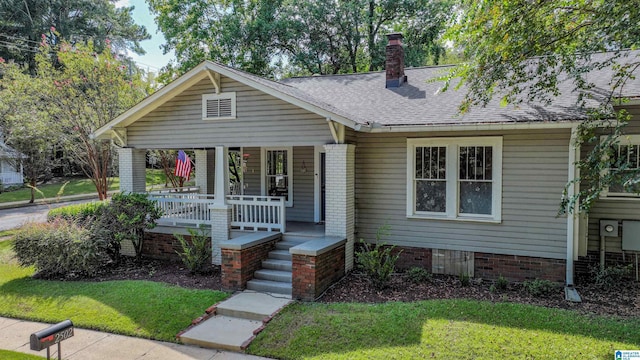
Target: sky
x,y
154,59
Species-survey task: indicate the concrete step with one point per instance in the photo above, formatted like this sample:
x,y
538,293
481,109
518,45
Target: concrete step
x,y
273,275
267,286
275,264
221,332
300,238
280,255
252,305
286,245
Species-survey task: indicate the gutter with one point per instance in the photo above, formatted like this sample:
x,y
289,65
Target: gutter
x,y
378,128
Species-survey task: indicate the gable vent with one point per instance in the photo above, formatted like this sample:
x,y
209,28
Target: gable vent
x,y
219,106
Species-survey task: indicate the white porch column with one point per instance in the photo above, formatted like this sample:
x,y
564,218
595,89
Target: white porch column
x,y
132,165
205,170
340,195
220,211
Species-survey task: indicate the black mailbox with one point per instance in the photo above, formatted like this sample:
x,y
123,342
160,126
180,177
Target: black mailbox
x,y
51,335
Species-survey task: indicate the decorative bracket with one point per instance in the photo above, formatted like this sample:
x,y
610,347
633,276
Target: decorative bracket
x,y
120,135
337,131
215,80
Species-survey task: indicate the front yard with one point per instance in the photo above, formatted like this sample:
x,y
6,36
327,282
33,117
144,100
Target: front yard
x,y
442,329
137,308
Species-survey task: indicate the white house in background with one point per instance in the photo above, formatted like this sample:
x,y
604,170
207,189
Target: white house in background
x,y
475,193
10,169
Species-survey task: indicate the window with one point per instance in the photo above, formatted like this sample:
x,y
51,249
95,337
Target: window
x,y
278,170
219,106
626,159
455,178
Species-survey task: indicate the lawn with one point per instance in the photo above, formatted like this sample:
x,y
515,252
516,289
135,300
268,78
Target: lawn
x,y
12,355
442,329
154,178
137,308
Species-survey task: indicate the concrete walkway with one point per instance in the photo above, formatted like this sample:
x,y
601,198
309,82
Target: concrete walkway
x,y
95,345
235,322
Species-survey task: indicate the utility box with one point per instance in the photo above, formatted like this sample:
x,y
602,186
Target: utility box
x,y
609,228
630,235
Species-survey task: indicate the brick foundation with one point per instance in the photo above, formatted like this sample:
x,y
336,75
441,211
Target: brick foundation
x,y
163,246
238,266
518,268
312,275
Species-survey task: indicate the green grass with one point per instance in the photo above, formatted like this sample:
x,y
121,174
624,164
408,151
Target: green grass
x,y
442,329
137,308
12,355
75,187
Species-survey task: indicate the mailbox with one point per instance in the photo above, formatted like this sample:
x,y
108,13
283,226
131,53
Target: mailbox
x,y
52,335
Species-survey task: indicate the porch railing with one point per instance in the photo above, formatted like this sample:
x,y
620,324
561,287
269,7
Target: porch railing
x,y
11,178
183,208
257,212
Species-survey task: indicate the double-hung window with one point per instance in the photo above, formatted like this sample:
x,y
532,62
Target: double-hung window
x,y
455,178
626,161
278,171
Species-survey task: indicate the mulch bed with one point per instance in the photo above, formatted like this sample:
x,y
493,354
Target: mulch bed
x,y
623,300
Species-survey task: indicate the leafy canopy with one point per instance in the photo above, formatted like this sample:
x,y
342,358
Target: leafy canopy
x,y
520,51
276,37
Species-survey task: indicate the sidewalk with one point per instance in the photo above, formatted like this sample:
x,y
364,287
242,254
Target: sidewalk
x,y
61,199
95,345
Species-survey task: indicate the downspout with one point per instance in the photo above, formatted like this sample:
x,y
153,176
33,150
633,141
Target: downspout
x,y
571,212
570,293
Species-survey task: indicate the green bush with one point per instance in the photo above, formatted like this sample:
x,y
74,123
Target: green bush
x,y
418,275
197,254
610,276
61,247
465,279
125,218
502,283
77,212
539,287
377,261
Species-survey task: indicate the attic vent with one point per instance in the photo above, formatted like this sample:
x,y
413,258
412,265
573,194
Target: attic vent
x,y
219,106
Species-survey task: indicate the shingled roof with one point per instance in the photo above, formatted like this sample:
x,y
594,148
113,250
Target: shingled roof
x,y
421,101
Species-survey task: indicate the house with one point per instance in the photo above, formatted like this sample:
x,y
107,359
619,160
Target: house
x,y
327,160
10,168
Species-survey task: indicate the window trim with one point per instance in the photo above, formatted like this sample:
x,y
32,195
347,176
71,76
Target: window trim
x,y
220,96
452,168
263,171
624,140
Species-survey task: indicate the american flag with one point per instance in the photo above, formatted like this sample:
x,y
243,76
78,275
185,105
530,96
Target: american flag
x,y
183,165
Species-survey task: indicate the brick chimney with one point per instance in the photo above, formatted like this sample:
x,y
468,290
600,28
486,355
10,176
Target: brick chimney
x,y
394,64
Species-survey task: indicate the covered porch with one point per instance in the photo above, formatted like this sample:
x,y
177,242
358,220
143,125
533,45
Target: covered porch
x,y
274,214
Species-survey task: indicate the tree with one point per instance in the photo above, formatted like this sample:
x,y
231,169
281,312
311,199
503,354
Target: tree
x,y
24,126
23,22
521,50
75,97
305,37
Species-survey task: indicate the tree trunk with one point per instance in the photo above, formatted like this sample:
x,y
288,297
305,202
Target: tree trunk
x,y
33,191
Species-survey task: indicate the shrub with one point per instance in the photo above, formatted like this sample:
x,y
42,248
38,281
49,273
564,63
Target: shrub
x,y
540,287
418,275
61,247
610,276
197,254
502,283
377,260
77,212
125,218
465,279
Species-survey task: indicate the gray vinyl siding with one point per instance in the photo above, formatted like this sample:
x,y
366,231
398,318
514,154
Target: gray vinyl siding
x,y
303,206
251,177
612,208
534,174
262,120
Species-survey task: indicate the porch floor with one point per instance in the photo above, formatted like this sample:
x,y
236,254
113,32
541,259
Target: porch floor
x,y
299,228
